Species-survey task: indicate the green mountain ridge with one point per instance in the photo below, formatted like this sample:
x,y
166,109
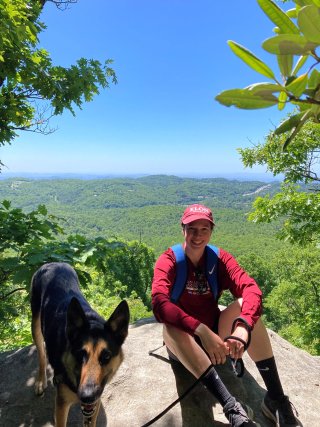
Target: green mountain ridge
x,y
148,208
132,192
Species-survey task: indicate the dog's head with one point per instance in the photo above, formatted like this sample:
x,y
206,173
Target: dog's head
x,y
94,351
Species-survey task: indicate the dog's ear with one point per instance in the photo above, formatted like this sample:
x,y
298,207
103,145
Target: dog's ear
x,y
118,322
76,319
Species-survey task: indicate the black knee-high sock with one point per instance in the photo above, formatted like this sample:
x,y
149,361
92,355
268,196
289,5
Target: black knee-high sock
x,y
214,384
269,372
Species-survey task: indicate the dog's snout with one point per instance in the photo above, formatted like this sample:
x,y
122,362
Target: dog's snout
x,y
89,392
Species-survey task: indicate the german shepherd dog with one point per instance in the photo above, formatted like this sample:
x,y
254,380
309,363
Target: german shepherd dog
x,y
83,349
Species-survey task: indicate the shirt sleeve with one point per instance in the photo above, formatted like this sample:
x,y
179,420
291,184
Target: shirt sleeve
x,y
231,276
164,310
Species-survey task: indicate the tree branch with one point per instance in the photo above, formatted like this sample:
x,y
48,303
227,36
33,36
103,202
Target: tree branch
x,y
3,297
61,4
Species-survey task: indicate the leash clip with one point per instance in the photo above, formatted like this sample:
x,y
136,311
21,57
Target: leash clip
x,y
237,366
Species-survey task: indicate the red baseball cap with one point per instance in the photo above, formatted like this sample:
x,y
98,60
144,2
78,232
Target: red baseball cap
x,y
194,212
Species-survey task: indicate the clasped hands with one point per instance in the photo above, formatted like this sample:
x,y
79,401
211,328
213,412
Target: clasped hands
x,y
217,349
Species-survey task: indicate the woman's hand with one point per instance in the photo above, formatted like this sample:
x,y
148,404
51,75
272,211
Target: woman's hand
x,y
215,347
236,347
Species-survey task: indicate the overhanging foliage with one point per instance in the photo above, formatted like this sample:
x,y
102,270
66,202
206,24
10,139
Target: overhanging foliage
x,y
297,80
32,88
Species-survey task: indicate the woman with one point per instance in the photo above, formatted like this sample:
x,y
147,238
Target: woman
x,y
194,328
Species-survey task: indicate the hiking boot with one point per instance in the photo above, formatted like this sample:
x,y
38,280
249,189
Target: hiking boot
x,y
238,414
280,411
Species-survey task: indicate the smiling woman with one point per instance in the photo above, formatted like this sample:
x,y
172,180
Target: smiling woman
x,y
199,335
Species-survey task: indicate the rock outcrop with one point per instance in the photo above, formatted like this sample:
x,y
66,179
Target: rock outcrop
x,y
145,385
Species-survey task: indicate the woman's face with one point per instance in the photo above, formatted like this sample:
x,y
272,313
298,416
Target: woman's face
x,y
197,234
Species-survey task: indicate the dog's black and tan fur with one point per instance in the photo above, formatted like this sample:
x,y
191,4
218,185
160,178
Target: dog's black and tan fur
x,y
83,349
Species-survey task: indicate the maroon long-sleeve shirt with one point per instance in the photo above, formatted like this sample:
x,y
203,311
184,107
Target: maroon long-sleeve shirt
x,y
197,304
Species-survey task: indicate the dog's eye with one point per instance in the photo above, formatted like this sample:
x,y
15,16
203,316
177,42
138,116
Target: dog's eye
x,y
81,356
105,356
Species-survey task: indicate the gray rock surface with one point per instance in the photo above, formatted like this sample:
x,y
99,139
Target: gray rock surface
x,y
145,385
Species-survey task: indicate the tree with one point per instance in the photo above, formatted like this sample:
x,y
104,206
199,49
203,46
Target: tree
x,y
28,240
298,202
293,305
107,268
32,88
297,35
293,148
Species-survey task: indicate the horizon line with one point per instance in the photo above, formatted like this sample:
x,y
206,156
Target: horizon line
x,y
249,176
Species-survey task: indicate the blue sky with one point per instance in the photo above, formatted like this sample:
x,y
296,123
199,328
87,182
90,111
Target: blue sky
x,y
171,58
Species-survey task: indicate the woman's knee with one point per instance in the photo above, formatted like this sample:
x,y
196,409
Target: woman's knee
x,y
173,335
227,317
232,310
185,348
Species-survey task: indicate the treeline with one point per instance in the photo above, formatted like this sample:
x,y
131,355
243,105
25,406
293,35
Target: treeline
x,y
132,192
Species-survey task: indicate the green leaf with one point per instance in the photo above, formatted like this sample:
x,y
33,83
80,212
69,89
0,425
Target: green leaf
x,y
304,2
292,13
315,110
289,124
245,99
302,106
264,88
289,44
87,254
278,17
291,137
9,263
282,100
309,92
6,204
296,130
301,61
309,23
36,259
22,275
285,64
314,79
298,85
316,2
250,59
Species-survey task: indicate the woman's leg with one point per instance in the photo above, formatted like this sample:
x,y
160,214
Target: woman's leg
x,y
186,349
195,359
275,405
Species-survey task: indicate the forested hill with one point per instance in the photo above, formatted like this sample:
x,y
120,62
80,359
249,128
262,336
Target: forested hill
x,y
148,209
132,192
